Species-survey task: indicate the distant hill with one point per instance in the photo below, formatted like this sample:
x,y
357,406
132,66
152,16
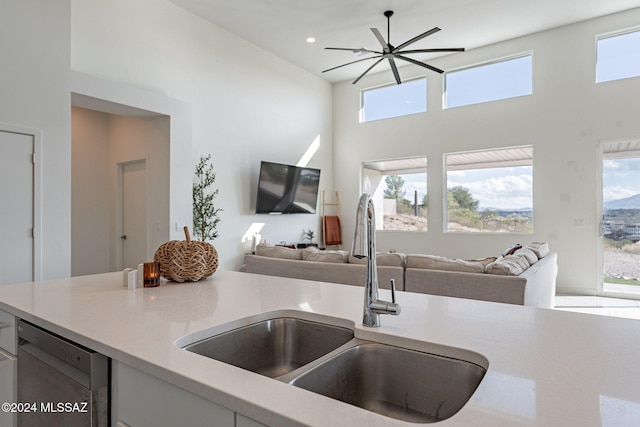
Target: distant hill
x,y
632,202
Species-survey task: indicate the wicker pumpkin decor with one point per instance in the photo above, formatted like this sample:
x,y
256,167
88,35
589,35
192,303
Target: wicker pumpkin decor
x,y
186,260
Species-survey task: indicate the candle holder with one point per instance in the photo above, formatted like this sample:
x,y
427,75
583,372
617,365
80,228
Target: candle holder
x,y
151,274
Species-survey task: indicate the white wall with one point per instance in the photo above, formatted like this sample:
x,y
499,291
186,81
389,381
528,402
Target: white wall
x,y
564,121
246,105
34,94
90,205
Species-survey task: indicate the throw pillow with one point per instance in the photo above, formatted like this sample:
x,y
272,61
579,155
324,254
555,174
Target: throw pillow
x,y
434,262
278,252
531,257
539,248
314,254
510,265
511,249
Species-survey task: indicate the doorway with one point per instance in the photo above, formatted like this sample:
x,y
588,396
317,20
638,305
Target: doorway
x,y
620,226
17,190
133,213
109,150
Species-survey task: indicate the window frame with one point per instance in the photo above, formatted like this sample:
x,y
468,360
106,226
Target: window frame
x,y
494,61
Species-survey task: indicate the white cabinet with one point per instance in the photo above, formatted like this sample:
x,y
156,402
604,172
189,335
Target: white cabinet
x,y
139,399
8,340
8,365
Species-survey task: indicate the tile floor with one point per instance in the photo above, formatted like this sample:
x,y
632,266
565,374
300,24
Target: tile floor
x,y
599,305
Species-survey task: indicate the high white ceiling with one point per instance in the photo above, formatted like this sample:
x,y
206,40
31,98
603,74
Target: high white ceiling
x,y
282,26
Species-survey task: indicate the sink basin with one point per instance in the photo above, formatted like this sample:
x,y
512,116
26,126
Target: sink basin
x,y
273,347
409,385
399,383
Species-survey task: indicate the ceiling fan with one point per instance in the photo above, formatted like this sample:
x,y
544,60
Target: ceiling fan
x,y
391,53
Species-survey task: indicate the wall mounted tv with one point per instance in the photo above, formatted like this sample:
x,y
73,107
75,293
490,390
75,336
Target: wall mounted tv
x,y
287,189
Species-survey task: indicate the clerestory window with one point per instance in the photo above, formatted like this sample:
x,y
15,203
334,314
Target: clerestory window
x,y
394,100
506,78
617,56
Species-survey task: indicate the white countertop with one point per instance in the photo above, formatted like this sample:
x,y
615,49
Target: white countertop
x,y
546,367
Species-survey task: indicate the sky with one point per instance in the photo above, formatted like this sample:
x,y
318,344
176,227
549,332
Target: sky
x,y
502,188
618,57
620,178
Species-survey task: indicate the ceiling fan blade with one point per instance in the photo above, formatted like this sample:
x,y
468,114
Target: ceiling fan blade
x,y
395,71
444,49
421,64
385,46
368,69
416,38
357,49
353,62
342,48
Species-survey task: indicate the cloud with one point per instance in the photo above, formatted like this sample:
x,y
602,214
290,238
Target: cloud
x,y
504,192
618,166
617,192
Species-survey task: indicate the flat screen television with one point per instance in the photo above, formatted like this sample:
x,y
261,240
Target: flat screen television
x,y
287,189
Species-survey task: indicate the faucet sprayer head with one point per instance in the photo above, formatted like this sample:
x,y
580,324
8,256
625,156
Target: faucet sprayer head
x,y
364,218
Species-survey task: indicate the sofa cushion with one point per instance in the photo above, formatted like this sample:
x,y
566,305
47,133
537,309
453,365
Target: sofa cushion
x,y
314,254
434,262
395,259
484,261
541,249
510,265
278,252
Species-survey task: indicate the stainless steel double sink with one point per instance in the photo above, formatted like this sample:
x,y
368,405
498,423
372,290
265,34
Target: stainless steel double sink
x,y
327,359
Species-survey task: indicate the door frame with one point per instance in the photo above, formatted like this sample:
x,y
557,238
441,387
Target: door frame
x,y
120,207
36,134
600,220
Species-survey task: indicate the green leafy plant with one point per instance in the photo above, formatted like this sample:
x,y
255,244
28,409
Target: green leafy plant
x,y
309,234
205,214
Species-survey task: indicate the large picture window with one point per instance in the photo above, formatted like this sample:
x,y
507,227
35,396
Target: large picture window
x,y
399,191
618,56
503,79
490,191
394,100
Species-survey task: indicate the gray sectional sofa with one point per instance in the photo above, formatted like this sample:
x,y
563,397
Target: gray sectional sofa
x,y
526,277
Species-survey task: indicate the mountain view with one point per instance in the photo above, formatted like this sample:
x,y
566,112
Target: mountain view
x,y
632,202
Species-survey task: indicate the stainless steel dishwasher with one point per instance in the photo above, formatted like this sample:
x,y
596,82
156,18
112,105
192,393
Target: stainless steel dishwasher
x,y
60,383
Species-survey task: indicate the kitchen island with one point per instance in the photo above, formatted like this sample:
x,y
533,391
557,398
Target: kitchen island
x,y
544,367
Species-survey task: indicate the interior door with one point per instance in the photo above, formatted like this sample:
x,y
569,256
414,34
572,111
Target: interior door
x,y
134,214
16,193
620,227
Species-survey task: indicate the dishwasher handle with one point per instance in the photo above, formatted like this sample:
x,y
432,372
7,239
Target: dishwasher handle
x,y
4,355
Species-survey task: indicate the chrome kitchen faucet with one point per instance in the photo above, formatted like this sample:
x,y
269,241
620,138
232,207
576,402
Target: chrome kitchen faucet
x,y
364,246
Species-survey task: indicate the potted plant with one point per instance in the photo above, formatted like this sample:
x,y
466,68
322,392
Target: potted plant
x,y
205,214
308,236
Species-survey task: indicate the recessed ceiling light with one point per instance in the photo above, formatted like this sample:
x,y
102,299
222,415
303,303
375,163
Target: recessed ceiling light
x,y
311,39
